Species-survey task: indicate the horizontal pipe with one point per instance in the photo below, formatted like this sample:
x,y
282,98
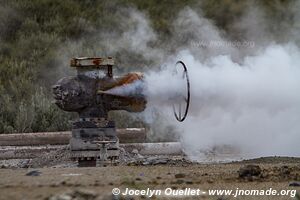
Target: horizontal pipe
x,y
128,135
25,152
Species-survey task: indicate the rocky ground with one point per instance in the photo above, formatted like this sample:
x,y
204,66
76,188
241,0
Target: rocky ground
x,y
42,179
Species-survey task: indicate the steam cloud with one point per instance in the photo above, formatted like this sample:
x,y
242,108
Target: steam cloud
x,y
244,95
253,106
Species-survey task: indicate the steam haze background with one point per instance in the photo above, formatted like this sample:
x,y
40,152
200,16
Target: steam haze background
x,y
243,60
246,97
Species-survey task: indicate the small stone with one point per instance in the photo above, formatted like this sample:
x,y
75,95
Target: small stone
x,y
180,175
210,181
84,194
294,184
135,151
146,163
34,173
249,170
60,197
160,161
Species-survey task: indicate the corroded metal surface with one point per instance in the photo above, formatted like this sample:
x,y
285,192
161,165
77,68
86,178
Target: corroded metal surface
x,y
94,97
91,62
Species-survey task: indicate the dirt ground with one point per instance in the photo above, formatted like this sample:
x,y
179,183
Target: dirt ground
x,y
97,183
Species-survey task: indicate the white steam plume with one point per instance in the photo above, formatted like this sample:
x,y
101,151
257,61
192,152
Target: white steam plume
x,y
242,96
253,106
